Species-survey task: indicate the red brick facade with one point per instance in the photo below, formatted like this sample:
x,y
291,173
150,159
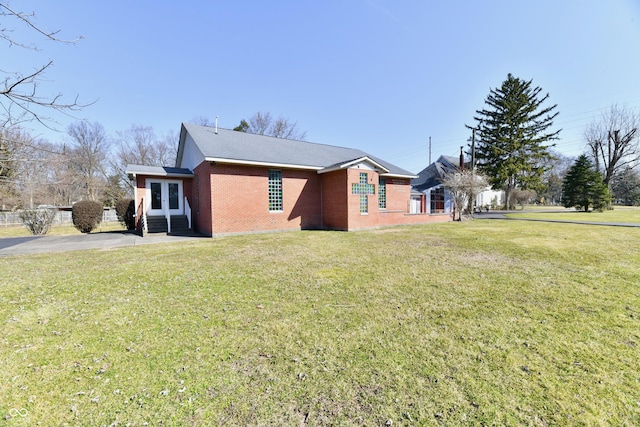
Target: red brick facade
x,y
335,200
239,202
231,199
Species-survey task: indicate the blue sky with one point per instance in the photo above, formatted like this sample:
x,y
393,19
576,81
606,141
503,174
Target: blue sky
x,y
378,75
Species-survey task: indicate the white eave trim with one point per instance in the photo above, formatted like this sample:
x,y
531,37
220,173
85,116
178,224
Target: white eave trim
x,y
164,175
262,164
397,175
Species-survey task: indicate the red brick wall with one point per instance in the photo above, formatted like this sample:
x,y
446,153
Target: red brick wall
x,y
398,191
398,194
341,208
201,203
240,200
335,213
356,219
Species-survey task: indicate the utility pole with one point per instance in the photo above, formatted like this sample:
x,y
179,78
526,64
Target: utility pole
x,y
429,151
473,197
473,149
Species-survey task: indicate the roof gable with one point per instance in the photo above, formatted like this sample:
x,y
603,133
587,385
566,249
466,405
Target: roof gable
x,y
362,161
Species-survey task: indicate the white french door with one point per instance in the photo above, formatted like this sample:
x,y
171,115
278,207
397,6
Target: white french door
x,y
164,197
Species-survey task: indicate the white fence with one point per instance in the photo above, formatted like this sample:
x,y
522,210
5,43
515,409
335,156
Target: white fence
x,y
12,219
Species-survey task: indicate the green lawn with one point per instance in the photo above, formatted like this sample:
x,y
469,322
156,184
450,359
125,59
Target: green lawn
x,y
620,214
473,323
57,230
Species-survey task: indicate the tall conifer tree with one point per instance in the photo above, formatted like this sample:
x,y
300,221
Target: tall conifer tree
x,y
513,136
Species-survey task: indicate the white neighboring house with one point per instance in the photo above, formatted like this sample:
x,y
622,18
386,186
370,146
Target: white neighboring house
x,y
438,199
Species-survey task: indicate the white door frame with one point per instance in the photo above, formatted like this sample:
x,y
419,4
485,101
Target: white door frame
x,y
163,200
415,204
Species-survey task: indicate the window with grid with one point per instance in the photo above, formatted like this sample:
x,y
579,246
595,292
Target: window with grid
x,y
275,191
437,200
382,193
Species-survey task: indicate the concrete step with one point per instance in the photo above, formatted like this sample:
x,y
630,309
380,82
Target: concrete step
x,y
158,224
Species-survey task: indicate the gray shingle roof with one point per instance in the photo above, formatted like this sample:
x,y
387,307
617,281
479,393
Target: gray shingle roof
x,y
433,174
158,171
246,147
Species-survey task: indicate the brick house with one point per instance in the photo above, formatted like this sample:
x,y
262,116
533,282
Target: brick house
x,y
228,182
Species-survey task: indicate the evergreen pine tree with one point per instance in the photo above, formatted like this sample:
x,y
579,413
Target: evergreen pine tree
x,y
583,187
512,133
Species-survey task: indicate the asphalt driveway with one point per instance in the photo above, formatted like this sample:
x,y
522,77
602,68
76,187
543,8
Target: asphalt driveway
x,y
11,246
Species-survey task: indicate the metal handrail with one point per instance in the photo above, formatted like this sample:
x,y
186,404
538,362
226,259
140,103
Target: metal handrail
x,y
187,211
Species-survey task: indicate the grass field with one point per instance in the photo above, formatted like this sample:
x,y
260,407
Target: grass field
x,y
620,214
474,323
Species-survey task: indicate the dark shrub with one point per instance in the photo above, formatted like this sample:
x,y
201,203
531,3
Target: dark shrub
x,y
86,215
38,221
126,211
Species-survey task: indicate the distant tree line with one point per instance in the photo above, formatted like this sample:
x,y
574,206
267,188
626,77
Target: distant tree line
x,y
87,164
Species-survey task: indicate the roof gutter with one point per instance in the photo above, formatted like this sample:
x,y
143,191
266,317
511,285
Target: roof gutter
x,y
396,175
263,164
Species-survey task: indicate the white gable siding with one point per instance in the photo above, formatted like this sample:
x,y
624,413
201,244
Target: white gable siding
x,y
365,165
191,156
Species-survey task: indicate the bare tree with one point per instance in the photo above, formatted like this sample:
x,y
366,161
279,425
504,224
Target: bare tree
x,y
266,124
88,157
62,187
139,145
6,153
8,168
259,123
555,169
613,141
202,121
39,171
136,145
167,148
464,186
20,99
33,170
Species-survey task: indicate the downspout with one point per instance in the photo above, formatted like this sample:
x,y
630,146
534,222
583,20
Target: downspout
x,y
321,204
